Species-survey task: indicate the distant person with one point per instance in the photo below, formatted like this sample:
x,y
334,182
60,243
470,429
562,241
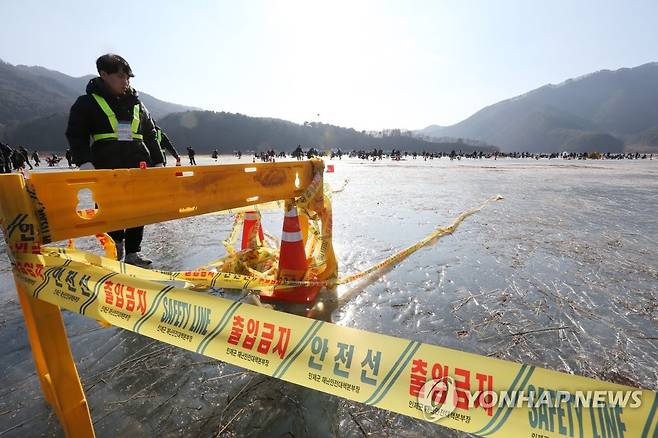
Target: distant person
x,y
215,154
191,153
298,153
25,157
5,157
68,157
35,158
123,135
53,160
165,144
17,159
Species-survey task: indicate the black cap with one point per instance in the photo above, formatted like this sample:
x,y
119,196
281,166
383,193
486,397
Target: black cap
x,y
111,63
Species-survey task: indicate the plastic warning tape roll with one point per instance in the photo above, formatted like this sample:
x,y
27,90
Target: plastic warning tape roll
x,y
452,388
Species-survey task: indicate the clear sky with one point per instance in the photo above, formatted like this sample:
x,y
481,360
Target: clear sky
x,y
362,64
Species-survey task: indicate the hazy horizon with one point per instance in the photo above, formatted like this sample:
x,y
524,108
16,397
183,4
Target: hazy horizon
x,y
367,65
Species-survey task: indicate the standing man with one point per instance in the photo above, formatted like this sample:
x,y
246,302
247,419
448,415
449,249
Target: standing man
x,y
35,157
6,152
17,160
26,156
67,154
190,154
122,132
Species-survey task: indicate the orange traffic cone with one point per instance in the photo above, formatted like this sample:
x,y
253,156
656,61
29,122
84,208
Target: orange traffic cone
x,y
292,257
251,220
292,263
178,165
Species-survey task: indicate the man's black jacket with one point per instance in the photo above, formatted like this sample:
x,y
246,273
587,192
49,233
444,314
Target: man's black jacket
x,y
87,118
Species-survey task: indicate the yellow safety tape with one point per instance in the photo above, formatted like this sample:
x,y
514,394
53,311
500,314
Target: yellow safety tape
x,y
347,180
85,257
229,243
452,388
311,191
436,234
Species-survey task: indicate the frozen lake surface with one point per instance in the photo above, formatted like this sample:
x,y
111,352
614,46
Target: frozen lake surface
x,y
562,274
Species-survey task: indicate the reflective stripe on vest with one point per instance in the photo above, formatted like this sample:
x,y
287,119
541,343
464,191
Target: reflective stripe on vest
x,y
114,122
158,137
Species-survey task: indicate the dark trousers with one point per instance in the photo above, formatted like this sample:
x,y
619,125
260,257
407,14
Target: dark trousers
x,y
192,160
132,237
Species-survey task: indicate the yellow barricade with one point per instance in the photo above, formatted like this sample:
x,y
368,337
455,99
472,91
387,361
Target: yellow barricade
x,y
132,197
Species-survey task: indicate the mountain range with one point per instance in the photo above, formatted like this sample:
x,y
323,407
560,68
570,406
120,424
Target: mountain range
x,y
607,111
208,130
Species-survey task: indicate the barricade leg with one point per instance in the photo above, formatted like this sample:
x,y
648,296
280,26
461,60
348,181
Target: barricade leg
x,y
45,328
57,373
